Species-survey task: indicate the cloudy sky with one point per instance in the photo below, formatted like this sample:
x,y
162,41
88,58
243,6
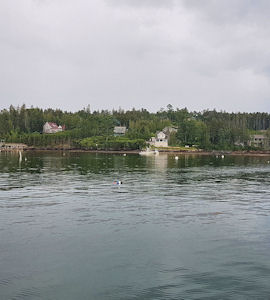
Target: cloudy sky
x,y
199,54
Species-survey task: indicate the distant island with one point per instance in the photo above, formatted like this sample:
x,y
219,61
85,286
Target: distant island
x,y
170,129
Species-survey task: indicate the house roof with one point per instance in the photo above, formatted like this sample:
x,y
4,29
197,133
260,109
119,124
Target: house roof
x,y
160,134
120,129
53,125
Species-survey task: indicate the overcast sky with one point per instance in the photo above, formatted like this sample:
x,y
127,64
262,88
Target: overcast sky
x,y
199,54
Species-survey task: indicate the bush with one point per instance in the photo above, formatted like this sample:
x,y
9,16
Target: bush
x,y
111,143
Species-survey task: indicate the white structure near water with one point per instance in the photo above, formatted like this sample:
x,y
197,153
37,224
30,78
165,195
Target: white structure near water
x,y
160,140
162,137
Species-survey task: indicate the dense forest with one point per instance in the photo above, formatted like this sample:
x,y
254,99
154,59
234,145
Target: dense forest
x,y
206,130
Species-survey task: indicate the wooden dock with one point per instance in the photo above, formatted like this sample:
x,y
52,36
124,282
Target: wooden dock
x,y
12,146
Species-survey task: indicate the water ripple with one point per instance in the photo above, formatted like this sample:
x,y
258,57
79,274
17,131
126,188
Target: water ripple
x,y
193,229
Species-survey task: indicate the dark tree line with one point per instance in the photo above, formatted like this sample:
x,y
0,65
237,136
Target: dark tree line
x,y
206,129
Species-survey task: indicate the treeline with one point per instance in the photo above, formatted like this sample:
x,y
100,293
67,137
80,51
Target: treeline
x,y
206,129
112,143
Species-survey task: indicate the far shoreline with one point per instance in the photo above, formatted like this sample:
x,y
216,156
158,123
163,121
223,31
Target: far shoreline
x,y
120,152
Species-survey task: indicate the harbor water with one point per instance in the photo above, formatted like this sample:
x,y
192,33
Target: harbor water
x,y
193,228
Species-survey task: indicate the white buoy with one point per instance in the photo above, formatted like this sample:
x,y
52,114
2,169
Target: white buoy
x,y
222,156
124,154
176,158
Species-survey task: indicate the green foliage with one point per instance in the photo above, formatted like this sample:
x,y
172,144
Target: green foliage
x,y
206,129
173,140
144,129
111,143
37,139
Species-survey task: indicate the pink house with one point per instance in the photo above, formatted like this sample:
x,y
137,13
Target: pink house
x,y
50,127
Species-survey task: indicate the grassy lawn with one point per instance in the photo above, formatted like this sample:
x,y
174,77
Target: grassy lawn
x,y
177,148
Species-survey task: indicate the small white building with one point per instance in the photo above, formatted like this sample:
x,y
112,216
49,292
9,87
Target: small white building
x,y
50,127
159,140
119,130
259,140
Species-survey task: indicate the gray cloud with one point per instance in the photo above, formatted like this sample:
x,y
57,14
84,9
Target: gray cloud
x,y
142,3
199,54
222,11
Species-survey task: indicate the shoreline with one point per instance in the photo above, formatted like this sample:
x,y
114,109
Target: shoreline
x,y
199,152
17,147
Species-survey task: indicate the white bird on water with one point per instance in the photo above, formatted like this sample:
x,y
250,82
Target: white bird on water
x,y
176,158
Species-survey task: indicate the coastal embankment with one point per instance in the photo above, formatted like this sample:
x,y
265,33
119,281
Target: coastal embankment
x,y
22,147
13,147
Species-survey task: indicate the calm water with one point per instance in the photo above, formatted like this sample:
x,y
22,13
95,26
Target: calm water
x,y
196,228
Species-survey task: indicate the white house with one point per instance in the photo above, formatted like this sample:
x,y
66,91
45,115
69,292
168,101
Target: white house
x,y
160,140
259,140
50,127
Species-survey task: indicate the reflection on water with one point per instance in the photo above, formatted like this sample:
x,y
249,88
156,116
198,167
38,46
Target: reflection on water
x,y
193,228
